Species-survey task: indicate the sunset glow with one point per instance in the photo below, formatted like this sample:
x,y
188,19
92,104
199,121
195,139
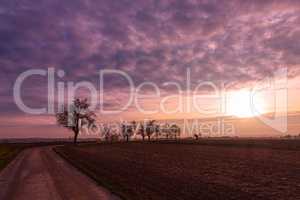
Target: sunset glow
x,y
243,104
159,60
153,99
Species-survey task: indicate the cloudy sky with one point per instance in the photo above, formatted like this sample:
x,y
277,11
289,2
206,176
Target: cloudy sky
x,y
237,42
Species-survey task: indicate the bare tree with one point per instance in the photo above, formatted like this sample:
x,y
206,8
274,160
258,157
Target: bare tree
x,y
128,130
76,115
141,131
107,133
151,128
167,131
175,130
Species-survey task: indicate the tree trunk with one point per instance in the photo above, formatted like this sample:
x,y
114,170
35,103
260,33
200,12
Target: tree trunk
x,y
149,138
127,138
143,137
76,129
75,137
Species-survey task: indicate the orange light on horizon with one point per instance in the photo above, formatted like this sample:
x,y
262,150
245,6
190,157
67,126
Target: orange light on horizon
x,y
243,104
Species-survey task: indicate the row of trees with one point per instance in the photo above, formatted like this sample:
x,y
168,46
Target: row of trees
x,y
78,114
149,129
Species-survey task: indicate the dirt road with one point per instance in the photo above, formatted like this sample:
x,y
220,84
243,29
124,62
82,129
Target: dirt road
x,y
40,174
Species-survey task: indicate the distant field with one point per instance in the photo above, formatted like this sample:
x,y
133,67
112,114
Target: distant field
x,y
208,169
8,152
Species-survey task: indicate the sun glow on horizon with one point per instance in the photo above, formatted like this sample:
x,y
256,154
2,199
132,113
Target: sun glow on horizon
x,y
244,104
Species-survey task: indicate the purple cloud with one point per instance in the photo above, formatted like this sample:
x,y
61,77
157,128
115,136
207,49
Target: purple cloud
x,y
155,40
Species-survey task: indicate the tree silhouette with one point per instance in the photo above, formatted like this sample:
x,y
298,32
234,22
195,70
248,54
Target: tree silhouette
x,y
175,130
110,135
76,115
165,129
107,133
141,131
151,128
128,130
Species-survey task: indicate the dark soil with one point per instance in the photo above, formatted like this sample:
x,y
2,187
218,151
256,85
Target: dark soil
x,y
169,170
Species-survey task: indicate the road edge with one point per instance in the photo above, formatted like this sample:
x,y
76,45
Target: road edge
x,y
89,174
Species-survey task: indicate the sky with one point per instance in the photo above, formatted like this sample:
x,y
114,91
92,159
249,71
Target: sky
x,y
239,43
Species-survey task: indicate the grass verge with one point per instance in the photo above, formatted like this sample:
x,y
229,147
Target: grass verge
x,y
8,152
